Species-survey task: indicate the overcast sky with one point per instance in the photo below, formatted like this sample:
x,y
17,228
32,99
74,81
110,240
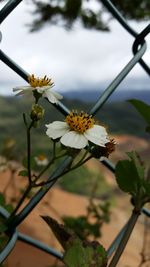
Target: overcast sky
x,y
75,59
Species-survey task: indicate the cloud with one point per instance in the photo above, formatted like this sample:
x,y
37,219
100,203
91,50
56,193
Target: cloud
x,y
75,59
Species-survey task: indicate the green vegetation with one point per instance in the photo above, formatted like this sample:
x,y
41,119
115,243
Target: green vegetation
x,y
121,118
82,180
67,12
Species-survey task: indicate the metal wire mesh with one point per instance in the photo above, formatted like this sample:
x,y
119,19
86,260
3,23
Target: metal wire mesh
x,y
139,48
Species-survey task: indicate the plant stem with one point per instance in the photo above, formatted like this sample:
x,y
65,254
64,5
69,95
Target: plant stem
x,y
38,196
49,164
65,172
21,201
145,243
24,119
54,157
125,238
78,164
30,185
44,170
83,157
29,151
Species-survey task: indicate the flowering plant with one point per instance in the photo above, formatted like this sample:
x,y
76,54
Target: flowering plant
x,y
79,138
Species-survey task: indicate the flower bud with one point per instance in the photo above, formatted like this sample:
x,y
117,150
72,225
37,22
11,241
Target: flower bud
x,y
98,151
37,112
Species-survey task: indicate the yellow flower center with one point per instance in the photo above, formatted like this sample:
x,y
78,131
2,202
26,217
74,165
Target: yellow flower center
x,y
41,157
79,122
39,82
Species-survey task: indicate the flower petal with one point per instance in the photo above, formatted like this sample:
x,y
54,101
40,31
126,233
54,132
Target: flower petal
x,y
57,129
40,90
44,88
39,162
97,135
23,92
52,96
74,139
57,95
22,88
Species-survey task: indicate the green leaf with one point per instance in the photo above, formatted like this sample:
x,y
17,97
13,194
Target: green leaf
x,y
62,233
9,208
84,254
78,253
24,162
23,173
147,188
3,241
139,167
3,227
74,255
32,162
82,227
131,178
77,224
2,199
126,176
142,108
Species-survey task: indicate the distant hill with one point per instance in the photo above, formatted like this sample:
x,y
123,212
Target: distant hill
x,y
120,117
117,96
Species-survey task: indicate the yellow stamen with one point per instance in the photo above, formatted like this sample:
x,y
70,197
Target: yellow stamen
x,y
41,157
79,122
39,82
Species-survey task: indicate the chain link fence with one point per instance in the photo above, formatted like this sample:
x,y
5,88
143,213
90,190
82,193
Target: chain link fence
x,y
139,48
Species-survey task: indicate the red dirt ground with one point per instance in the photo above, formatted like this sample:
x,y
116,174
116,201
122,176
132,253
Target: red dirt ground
x,y
56,203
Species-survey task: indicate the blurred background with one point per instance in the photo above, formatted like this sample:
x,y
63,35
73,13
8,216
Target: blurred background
x,y
82,48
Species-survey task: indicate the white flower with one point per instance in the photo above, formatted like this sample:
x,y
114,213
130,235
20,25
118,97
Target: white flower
x,y
42,86
41,160
77,130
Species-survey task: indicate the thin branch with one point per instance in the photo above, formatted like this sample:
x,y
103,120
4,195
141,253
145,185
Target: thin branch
x,y
54,157
24,119
29,151
45,169
125,238
26,192
62,174
145,235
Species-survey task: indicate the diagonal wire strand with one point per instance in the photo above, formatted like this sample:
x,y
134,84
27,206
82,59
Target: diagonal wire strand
x,y
111,88
8,8
138,53
115,12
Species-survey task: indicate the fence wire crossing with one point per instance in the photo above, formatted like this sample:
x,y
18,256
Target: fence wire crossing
x,y
138,48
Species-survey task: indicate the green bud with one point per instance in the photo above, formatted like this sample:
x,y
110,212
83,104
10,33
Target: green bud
x,y
37,112
36,124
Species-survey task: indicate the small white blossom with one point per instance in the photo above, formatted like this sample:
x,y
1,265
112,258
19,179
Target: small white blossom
x,y
42,86
41,160
77,130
